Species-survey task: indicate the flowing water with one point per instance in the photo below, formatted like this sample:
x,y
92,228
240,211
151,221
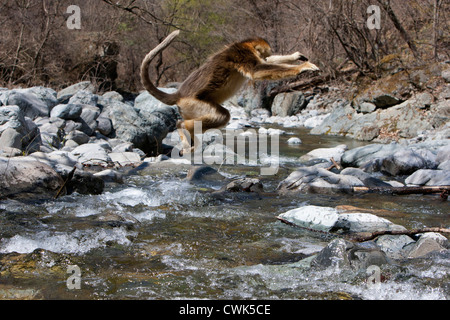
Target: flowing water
x,y
158,236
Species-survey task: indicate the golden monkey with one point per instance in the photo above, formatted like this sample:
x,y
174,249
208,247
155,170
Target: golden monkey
x,y
200,96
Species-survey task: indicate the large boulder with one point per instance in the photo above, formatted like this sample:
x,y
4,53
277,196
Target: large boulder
x,y
288,104
145,124
26,178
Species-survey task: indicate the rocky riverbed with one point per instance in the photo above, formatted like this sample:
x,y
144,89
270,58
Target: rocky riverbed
x,y
93,177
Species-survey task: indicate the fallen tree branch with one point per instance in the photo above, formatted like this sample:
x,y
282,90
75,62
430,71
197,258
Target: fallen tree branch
x,y
443,190
300,85
367,236
69,178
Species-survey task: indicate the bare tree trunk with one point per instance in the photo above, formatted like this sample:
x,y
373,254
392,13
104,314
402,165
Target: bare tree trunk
x,y
386,4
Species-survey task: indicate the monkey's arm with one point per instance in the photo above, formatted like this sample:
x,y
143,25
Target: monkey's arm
x,y
268,71
297,56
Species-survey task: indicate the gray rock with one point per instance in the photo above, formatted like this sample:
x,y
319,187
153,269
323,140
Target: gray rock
x,y
77,136
26,178
91,154
104,125
113,95
88,118
366,107
395,247
343,254
426,177
84,97
10,138
288,104
443,154
446,75
318,180
427,243
67,111
30,105
64,95
325,153
404,162
244,185
110,176
145,126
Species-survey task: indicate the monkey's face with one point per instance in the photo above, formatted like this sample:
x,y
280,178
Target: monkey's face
x,y
263,49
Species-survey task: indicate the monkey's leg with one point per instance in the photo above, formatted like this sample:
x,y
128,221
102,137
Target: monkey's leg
x,y
209,114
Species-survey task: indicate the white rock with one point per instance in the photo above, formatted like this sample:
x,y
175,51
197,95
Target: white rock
x,y
365,222
294,141
125,158
312,217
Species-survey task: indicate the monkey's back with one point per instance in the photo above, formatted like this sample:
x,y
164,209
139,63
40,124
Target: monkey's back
x,y
221,76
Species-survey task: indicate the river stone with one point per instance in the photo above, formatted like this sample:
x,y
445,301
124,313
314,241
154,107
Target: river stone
x,y
125,158
67,111
91,154
288,104
325,153
64,95
28,102
343,254
312,217
426,244
26,178
395,246
403,162
85,183
365,222
426,177
318,180
10,138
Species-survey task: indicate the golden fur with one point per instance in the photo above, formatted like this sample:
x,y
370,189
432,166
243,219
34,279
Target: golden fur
x,y
200,96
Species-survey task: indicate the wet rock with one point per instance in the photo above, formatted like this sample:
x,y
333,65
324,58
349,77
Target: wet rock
x,y
245,185
294,141
85,183
110,176
125,158
318,180
24,177
404,162
427,243
365,222
395,247
426,177
325,153
312,217
343,254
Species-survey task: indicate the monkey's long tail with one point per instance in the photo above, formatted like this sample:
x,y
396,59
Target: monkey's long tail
x,y
169,99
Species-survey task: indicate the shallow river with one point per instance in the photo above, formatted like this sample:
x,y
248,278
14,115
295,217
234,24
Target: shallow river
x,y
157,236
